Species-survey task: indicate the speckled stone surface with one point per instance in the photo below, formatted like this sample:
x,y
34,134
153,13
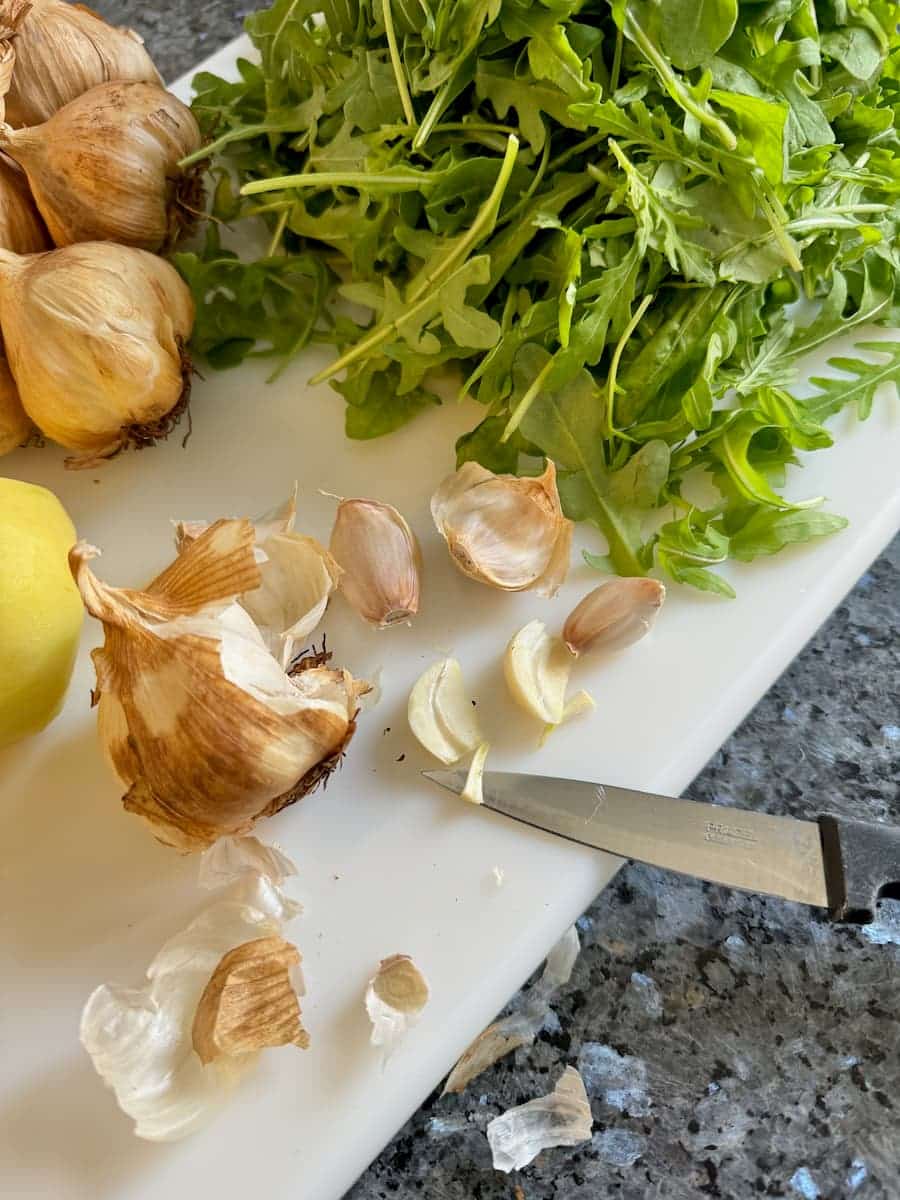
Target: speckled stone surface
x,y
731,1046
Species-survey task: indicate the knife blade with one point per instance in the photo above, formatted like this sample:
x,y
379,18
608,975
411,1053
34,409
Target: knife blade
x,y
829,863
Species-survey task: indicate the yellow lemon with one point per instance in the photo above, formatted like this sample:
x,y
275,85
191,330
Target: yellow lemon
x,y
40,609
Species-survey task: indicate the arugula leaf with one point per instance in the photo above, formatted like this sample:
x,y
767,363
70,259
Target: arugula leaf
x,y
769,530
687,547
867,378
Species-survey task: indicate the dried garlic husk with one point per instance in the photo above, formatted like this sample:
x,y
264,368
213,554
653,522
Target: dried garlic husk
x,y
21,227
95,336
249,1002
440,713
231,858
62,50
140,1039
199,721
473,789
563,1118
105,167
537,668
614,615
381,561
297,578
395,999
15,426
503,530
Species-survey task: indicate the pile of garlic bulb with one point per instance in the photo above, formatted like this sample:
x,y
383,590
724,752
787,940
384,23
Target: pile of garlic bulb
x,y
94,326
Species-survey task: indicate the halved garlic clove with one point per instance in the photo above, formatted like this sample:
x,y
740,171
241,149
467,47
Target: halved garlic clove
x,y
581,702
473,787
537,668
614,615
380,559
503,530
249,1002
395,999
563,1118
440,713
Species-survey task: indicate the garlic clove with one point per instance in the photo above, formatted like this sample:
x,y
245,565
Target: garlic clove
x,y
395,999
614,615
11,17
537,668
563,1118
15,426
473,789
503,530
249,1002
201,724
380,559
440,713
21,227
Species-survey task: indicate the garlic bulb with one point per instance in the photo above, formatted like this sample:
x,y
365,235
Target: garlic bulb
x,y
105,167
506,531
15,427
380,559
199,721
614,615
21,227
64,49
95,337
395,999
440,713
537,668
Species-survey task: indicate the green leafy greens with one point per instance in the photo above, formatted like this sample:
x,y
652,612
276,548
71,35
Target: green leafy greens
x,y
622,222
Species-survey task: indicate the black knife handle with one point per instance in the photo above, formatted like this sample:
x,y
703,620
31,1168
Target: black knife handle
x,y
862,864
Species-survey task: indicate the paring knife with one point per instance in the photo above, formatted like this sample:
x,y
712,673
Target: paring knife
x,y
844,866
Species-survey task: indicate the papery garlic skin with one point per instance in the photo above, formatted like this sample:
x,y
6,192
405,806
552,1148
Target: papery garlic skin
x,y
21,228
64,49
504,530
537,668
563,1118
95,336
440,713
15,424
199,721
105,166
614,615
396,996
380,559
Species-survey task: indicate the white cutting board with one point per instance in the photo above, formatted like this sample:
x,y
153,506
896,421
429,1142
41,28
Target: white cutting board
x,y
387,863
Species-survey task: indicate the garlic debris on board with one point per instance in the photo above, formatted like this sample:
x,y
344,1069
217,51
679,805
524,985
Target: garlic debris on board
x,y
473,789
141,1040
62,50
395,999
380,559
503,530
105,166
440,713
21,227
537,668
230,858
297,578
199,720
563,1118
614,615
95,336
15,427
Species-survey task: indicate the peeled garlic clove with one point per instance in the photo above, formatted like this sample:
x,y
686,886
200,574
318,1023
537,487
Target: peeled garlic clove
x,y
15,427
395,999
95,336
199,721
140,1039
537,668
441,715
563,1118
62,50
21,227
614,615
249,1002
473,789
506,531
106,166
380,559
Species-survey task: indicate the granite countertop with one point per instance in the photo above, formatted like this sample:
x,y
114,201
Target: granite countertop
x,y
731,1045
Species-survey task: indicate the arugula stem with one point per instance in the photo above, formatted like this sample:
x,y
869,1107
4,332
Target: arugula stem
x,y
781,236
589,142
616,63
400,181
242,133
278,233
527,400
617,358
397,64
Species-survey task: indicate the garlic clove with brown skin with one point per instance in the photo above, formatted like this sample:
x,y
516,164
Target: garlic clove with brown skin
x,y
21,228
203,727
504,530
12,14
614,615
15,426
95,336
380,559
64,49
105,166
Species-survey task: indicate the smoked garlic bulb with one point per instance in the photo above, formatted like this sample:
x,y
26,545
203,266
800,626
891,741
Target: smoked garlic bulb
x,y
62,50
21,227
95,337
105,167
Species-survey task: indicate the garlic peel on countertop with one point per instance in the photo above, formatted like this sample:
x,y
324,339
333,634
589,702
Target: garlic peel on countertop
x,y
440,713
199,721
395,999
563,1118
